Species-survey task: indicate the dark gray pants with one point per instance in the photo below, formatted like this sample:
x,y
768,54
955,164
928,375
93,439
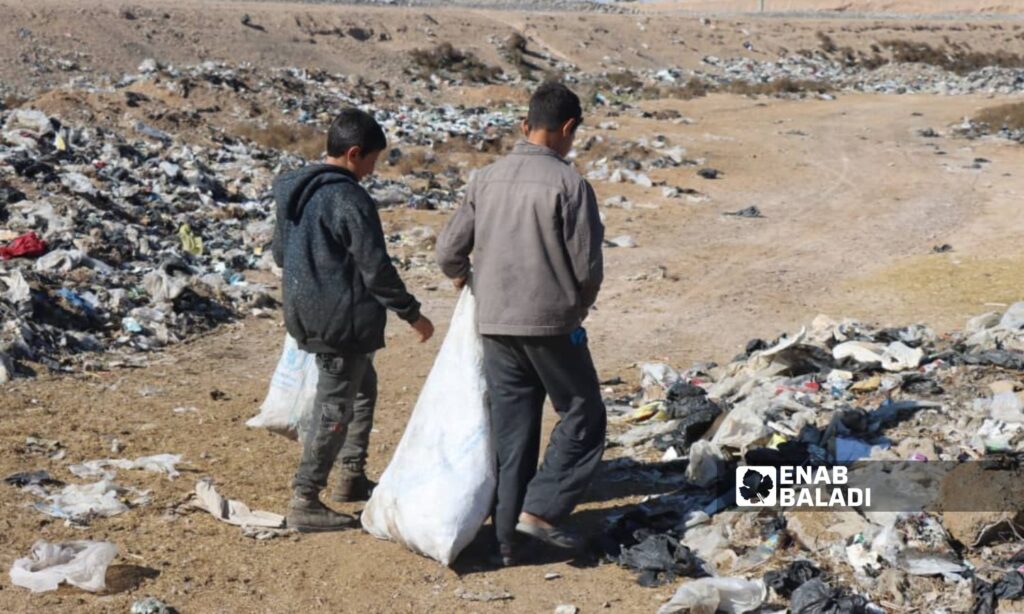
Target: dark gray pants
x,y
520,371
339,431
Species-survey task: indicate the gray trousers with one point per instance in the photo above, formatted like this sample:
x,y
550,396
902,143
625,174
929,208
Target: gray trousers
x,y
520,372
339,430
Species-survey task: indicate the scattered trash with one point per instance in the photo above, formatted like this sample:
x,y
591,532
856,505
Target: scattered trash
x,y
623,241
266,533
82,564
234,512
709,173
566,609
734,595
660,559
787,580
32,478
160,463
751,211
816,597
483,596
151,605
79,504
28,245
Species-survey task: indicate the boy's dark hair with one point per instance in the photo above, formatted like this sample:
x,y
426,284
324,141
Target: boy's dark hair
x,y
355,128
552,105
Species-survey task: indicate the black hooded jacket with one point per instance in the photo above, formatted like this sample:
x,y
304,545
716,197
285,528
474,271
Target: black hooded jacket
x,y
338,277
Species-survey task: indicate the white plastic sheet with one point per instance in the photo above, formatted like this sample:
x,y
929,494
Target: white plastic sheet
x,y
438,489
159,463
81,502
79,563
232,511
710,595
292,392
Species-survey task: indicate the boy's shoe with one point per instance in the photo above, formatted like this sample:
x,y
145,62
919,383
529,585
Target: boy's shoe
x,y
507,556
310,515
559,538
352,488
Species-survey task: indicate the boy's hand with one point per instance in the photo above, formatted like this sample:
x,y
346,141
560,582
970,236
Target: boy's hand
x,y
459,282
424,327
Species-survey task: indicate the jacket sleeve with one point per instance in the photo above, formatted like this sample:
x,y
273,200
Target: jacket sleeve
x,y
456,240
584,239
278,242
365,238
277,245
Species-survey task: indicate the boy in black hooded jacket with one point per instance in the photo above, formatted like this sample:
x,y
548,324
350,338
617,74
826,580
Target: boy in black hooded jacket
x,y
338,283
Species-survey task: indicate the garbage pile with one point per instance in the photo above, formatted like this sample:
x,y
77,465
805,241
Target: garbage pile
x,y
889,78
115,242
835,393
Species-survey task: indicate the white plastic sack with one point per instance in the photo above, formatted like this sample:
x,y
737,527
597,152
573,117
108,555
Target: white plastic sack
x,y
292,392
437,491
80,563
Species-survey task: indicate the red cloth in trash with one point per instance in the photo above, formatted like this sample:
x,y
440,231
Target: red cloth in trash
x,y
28,245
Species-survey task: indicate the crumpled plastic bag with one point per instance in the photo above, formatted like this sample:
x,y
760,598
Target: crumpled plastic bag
x,y
18,291
706,463
25,127
81,502
785,581
816,597
710,595
79,563
232,511
158,463
660,559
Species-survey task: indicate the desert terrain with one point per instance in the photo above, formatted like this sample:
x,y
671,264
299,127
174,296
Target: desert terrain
x,y
856,189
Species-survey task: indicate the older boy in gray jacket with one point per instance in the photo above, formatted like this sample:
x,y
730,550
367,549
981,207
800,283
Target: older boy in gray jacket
x,y
532,225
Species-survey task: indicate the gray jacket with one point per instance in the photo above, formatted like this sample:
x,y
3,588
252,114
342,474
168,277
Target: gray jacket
x,y
534,229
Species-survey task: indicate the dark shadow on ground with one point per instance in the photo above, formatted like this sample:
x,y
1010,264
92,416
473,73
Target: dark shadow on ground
x,y
638,479
123,578
480,555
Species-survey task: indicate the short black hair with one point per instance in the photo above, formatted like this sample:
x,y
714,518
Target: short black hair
x,y
552,105
355,128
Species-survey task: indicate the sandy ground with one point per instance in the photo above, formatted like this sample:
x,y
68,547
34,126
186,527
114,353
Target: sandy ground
x,y
854,200
902,7
99,38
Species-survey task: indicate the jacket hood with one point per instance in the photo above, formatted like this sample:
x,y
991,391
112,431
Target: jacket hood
x,y
293,190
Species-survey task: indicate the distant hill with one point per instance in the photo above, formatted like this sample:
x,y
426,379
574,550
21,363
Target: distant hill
x,y
914,7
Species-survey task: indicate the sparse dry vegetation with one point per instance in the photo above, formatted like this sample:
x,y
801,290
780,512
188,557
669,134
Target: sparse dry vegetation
x,y
446,58
778,87
297,138
951,56
1009,116
957,60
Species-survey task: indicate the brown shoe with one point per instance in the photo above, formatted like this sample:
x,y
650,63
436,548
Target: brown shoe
x,y
308,515
352,488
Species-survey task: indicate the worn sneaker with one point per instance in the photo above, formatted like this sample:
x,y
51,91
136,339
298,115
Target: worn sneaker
x,y
310,515
559,538
352,487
